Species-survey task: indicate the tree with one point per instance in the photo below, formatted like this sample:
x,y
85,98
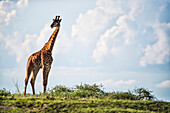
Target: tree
x,y
143,94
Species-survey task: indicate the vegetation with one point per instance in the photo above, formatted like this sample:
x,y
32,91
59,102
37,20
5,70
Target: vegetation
x,y
83,98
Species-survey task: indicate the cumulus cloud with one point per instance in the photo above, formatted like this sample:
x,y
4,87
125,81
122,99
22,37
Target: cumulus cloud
x,y
113,39
23,46
34,42
118,36
13,42
22,3
164,84
110,26
114,26
18,46
159,52
44,35
9,16
121,83
90,25
63,44
9,9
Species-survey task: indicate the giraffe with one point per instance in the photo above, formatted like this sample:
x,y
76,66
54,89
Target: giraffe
x,y
42,59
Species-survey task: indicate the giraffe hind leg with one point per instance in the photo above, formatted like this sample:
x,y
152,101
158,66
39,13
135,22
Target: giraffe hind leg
x,y
34,75
28,72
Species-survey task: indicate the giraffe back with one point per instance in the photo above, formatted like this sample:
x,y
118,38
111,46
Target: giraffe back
x,y
36,59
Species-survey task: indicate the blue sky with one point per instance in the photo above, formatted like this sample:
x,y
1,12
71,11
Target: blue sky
x,y
121,44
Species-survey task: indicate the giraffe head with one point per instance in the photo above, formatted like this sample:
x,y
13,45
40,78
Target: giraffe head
x,y
56,22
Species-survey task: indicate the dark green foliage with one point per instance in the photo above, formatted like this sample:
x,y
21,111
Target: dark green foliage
x,y
4,92
94,88
60,89
95,91
87,90
143,94
122,95
81,91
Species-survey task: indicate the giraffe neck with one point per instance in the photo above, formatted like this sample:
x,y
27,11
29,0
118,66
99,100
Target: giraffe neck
x,y
50,44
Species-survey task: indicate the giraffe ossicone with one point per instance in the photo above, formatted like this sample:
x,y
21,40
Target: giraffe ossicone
x,y
42,59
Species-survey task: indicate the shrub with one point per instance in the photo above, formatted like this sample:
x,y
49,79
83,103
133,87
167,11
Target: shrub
x,y
87,90
143,94
93,88
60,89
122,95
81,91
4,92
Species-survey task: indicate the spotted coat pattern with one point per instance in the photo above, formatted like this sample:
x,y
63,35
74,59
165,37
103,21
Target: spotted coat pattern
x,y
42,59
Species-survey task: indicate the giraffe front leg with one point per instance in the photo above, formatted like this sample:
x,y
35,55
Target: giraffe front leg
x,y
46,70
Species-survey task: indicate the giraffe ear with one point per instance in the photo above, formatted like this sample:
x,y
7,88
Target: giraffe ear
x,y
53,19
60,20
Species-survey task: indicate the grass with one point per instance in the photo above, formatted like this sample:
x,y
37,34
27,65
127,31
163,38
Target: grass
x,y
83,99
85,105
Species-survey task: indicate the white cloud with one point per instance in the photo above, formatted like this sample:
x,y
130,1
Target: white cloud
x,y
136,8
127,31
114,26
159,52
9,9
121,83
18,46
122,18
22,3
164,84
34,42
29,43
90,25
114,38
14,43
9,16
44,35
101,50
63,44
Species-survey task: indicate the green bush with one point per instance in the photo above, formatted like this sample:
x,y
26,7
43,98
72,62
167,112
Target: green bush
x,y
94,88
95,91
60,89
87,90
144,94
122,95
81,91
4,92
